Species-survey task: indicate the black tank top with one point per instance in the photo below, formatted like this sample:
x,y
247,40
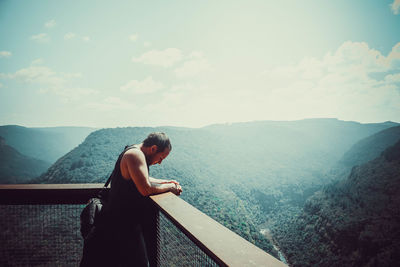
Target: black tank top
x,y
125,206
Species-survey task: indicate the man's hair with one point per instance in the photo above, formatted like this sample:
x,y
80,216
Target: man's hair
x,y
159,139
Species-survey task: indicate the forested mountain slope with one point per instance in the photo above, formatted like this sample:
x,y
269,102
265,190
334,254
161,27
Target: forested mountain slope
x,y
94,159
370,147
364,150
47,144
238,174
18,168
331,135
353,222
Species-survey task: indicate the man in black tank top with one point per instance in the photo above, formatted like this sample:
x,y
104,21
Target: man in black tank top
x,y
118,238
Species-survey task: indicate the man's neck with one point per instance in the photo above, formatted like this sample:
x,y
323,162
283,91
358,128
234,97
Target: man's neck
x,y
146,152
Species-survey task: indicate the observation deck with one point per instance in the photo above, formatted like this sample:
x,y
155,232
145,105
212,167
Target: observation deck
x,y
40,225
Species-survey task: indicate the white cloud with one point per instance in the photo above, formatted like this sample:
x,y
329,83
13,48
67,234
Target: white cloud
x,y
110,103
392,78
133,37
341,84
49,81
196,54
190,105
5,54
71,75
37,61
42,75
146,44
146,86
394,57
192,67
72,35
356,55
395,6
118,103
50,24
69,36
39,75
164,58
351,59
70,93
187,87
41,38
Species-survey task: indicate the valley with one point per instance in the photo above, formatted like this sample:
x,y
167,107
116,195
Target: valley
x,y
257,178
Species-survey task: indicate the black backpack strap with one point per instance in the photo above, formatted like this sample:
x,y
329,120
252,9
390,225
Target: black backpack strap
x,y
108,180
118,161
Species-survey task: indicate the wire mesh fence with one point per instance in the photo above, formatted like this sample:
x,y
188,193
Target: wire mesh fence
x,y
176,249
40,235
49,235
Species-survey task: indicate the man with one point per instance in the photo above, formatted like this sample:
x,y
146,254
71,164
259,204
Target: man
x,y
135,163
119,238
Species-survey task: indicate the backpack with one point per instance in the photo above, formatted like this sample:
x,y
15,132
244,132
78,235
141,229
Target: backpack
x,y
91,211
93,208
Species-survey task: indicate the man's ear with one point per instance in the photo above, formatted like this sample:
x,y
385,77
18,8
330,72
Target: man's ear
x,y
153,149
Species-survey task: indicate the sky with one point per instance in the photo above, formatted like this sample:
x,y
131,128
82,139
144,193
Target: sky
x,y
195,63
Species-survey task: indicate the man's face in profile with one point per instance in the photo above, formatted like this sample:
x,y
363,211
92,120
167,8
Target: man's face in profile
x,y
156,157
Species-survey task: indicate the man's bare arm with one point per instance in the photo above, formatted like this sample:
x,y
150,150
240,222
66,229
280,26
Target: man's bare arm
x,y
135,163
161,181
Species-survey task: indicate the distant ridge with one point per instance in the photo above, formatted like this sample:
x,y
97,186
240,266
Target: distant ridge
x,y
94,158
370,147
275,122
18,168
47,144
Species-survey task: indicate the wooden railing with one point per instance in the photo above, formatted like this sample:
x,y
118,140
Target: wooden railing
x,y
223,246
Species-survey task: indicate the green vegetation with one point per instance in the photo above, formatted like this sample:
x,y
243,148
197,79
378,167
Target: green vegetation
x,y
247,176
353,222
17,168
256,177
371,147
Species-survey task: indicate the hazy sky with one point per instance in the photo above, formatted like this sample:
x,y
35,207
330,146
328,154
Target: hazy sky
x,y
193,63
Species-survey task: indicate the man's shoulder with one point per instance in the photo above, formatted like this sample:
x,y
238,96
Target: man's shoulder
x,y
133,155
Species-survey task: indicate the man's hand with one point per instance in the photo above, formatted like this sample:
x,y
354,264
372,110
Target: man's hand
x,y
176,188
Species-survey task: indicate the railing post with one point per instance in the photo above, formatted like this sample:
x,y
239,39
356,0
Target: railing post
x,y
150,229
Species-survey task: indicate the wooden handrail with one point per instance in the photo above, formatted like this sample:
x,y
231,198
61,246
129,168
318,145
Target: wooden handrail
x,y
224,246
25,194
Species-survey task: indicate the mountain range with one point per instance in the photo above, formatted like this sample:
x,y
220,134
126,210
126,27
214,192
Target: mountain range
x,y
46,143
252,177
240,174
16,168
